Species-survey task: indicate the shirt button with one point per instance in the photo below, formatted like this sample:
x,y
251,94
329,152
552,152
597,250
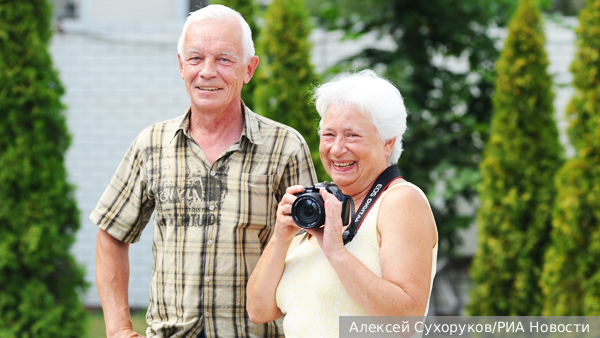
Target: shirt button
x,y
212,207
209,242
206,314
212,173
207,279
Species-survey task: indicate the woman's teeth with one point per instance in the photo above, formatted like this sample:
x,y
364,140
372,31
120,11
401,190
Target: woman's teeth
x,y
343,164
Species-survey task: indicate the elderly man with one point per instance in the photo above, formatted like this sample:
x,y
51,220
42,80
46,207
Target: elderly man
x,y
213,177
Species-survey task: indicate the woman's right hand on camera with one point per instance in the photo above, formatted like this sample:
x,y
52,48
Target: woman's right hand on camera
x,y
285,227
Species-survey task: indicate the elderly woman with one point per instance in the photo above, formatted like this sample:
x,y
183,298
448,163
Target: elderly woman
x,y
388,267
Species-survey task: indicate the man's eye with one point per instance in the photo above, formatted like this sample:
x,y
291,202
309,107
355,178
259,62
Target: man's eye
x,y
224,59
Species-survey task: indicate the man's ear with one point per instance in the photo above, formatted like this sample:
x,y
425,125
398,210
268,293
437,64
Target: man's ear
x,y
180,66
251,68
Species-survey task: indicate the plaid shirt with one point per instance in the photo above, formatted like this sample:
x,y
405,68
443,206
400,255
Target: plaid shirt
x,y
211,222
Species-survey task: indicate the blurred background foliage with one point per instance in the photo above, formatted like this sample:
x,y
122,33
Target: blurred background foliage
x,y
518,167
571,274
40,281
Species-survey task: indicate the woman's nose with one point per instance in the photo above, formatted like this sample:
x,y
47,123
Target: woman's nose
x,y
338,146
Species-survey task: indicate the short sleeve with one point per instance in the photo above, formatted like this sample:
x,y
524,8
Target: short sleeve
x,y
125,208
299,169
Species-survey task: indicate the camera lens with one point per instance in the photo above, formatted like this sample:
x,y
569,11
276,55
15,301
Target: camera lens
x,y
308,212
308,209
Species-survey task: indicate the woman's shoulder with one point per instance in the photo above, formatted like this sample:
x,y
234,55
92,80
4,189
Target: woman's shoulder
x,y
407,204
404,190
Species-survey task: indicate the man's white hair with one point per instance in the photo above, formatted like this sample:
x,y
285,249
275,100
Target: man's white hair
x,y
219,12
371,95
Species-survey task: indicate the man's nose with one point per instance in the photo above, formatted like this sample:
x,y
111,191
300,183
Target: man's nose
x,y
209,68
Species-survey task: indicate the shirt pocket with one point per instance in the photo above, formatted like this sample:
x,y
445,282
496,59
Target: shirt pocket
x,y
258,201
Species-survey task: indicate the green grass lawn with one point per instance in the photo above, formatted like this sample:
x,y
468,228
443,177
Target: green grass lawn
x,y
98,330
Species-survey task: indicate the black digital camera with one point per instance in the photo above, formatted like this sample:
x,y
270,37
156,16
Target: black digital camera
x,y
308,210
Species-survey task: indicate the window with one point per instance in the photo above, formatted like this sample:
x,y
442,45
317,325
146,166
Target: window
x,y
197,4
65,8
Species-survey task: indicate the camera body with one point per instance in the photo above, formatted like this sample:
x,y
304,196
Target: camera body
x,y
308,210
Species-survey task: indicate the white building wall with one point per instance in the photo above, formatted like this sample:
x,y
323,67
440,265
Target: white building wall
x,y
133,10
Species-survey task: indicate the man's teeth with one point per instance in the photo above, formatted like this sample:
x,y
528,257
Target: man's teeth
x,y
343,164
209,88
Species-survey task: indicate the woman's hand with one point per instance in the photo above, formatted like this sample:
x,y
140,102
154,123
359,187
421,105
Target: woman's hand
x,y
285,227
329,236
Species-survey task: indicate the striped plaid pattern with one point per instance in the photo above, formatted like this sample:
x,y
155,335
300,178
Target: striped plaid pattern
x,y
211,223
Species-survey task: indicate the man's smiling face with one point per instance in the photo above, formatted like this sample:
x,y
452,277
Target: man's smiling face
x,y
213,66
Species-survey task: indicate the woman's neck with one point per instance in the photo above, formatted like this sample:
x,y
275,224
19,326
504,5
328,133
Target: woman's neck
x,y
358,198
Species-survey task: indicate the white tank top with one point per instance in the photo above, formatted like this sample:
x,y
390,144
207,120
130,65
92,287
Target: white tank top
x,y
311,295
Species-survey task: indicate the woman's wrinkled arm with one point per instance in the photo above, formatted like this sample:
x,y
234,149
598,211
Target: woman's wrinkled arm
x,y
408,236
262,285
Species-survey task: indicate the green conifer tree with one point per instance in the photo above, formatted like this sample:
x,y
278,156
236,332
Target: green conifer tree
x,y
285,74
571,275
518,167
248,10
39,279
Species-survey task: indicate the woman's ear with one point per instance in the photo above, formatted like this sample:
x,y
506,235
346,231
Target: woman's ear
x,y
388,147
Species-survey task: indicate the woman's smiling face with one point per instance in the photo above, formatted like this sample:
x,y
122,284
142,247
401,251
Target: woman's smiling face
x,y
351,150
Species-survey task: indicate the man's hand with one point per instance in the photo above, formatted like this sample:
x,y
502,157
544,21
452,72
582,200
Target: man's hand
x,y
112,280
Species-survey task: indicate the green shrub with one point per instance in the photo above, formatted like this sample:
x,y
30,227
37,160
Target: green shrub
x,y
571,276
518,167
39,279
285,74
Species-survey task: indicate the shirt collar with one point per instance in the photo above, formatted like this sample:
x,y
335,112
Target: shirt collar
x,y
184,125
251,130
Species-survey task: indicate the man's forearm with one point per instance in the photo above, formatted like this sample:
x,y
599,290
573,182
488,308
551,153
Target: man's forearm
x,y
112,281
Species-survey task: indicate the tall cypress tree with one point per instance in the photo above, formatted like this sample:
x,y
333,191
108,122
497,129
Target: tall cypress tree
x,y
571,277
248,10
517,169
285,74
39,279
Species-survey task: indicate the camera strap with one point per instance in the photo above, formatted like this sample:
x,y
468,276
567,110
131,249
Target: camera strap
x,y
380,185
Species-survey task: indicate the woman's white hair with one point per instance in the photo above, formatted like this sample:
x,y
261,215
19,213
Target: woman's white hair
x,y
219,12
373,96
